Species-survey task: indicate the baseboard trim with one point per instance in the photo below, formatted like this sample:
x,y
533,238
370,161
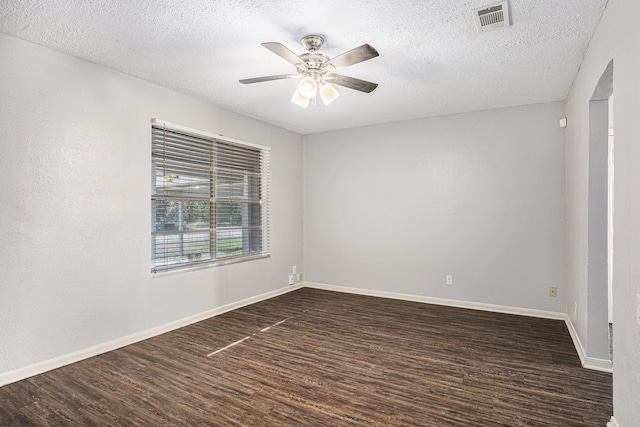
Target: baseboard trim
x,y
595,364
586,361
576,340
613,423
60,361
441,301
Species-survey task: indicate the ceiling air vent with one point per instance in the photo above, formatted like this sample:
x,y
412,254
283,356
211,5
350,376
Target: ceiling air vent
x,y
492,17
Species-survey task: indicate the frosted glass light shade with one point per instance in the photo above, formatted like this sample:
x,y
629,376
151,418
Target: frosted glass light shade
x,y
328,93
300,100
308,87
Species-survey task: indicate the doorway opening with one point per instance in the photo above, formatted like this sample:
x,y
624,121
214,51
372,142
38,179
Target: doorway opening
x,y
610,165
600,227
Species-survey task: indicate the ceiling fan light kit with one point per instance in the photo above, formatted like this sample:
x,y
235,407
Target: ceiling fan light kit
x,y
328,93
308,87
300,100
318,70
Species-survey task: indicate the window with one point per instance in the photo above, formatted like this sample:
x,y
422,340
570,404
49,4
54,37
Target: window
x,y
209,198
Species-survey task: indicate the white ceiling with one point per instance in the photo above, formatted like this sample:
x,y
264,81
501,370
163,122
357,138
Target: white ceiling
x,y
432,59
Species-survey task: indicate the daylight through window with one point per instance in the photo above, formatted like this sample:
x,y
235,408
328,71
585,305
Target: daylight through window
x,y
209,198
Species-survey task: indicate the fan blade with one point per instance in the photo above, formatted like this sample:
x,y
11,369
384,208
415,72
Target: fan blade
x,y
269,78
351,57
351,83
286,54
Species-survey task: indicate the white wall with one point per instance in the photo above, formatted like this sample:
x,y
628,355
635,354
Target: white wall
x,y
479,196
75,214
617,38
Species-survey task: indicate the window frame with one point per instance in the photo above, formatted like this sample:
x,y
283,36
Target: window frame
x,y
255,237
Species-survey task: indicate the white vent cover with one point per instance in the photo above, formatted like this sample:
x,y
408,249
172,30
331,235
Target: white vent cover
x,y
492,17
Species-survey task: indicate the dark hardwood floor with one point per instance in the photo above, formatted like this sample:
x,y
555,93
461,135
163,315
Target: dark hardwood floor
x,y
319,358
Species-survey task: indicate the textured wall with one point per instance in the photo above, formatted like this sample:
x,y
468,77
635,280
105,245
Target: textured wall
x,y
75,207
479,196
619,18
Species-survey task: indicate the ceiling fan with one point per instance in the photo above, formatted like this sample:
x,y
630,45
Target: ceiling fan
x,y
317,70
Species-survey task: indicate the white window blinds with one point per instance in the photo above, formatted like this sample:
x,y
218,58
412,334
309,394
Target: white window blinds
x,y
209,198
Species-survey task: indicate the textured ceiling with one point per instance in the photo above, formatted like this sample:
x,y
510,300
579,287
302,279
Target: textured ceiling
x,y
432,59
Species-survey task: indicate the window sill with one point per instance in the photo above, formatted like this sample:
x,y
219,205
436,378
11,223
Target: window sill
x,y
208,264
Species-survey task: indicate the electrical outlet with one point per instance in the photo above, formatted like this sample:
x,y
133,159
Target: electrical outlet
x,y
298,277
292,279
294,269
449,280
553,291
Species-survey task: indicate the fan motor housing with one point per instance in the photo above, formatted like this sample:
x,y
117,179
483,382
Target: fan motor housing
x,y
315,60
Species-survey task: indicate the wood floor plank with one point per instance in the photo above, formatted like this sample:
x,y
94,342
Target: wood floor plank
x,y
320,358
